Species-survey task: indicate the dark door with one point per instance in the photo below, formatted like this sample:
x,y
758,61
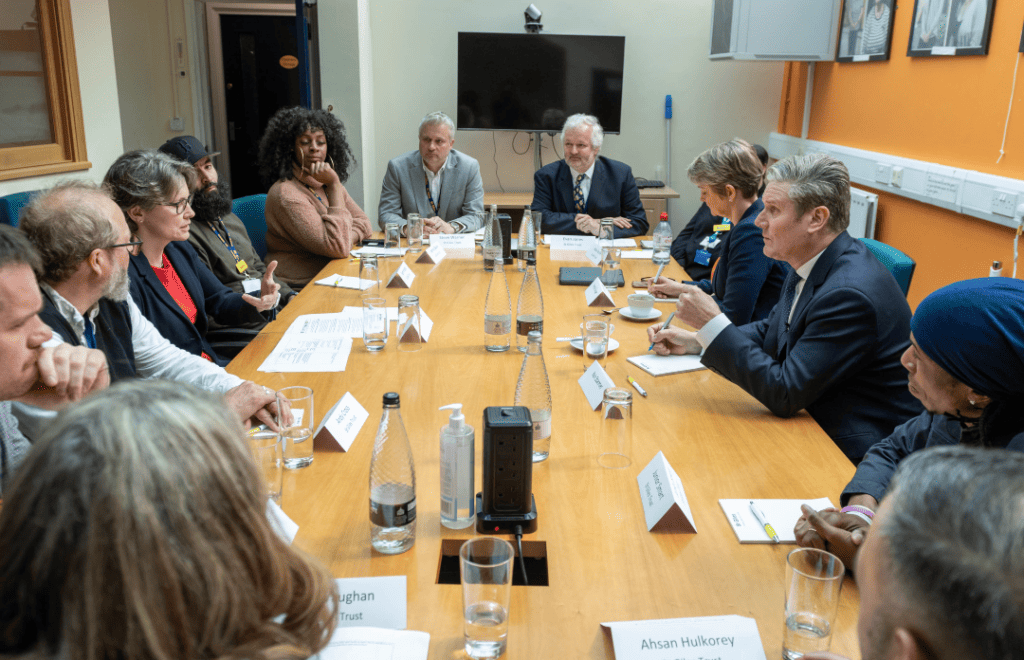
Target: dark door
x,y
260,77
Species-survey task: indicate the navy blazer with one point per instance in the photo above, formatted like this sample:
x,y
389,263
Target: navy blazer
x,y
211,297
745,282
686,244
841,356
613,193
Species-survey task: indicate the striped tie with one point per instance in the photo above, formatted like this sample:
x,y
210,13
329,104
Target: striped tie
x,y
577,194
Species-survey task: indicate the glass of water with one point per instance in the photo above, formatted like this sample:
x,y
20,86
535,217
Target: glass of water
x,y
814,579
392,235
296,428
414,233
610,254
368,270
486,564
375,323
266,451
595,331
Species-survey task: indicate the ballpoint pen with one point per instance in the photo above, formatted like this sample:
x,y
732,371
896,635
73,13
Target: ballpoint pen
x,y
632,381
658,274
667,321
768,529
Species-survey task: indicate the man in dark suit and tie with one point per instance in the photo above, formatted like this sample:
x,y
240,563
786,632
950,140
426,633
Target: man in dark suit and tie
x,y
440,184
833,343
576,193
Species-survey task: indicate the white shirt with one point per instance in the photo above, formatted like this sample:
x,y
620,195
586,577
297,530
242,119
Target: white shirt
x,y
434,180
588,176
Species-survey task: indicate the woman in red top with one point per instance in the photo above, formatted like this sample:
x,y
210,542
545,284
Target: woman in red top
x,y
171,286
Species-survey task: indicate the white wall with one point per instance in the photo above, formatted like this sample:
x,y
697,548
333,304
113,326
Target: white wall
x,y
414,50
95,53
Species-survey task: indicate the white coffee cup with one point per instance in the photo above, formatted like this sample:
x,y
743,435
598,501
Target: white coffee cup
x,y
640,304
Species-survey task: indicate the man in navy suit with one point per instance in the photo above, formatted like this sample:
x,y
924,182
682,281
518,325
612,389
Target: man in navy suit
x,y
575,194
833,343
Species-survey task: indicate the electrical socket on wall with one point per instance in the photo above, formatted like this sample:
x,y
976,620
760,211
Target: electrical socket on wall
x,y
897,176
883,173
1004,202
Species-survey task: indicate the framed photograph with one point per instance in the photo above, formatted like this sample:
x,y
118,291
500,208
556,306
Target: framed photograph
x,y
950,27
865,34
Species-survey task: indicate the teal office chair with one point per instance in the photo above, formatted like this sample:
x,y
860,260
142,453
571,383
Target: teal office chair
x,y
250,211
900,265
11,205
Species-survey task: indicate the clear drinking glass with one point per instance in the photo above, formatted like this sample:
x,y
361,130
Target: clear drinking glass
x,y
392,235
536,225
595,331
368,270
616,429
814,579
296,432
610,254
375,323
486,564
408,333
414,233
266,451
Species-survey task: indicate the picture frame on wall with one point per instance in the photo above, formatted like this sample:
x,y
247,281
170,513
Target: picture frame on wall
x,y
950,27
865,33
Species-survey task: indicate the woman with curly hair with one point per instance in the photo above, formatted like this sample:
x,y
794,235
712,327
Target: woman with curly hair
x,y
311,219
136,529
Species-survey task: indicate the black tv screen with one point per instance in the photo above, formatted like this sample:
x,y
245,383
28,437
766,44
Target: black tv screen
x,y
533,82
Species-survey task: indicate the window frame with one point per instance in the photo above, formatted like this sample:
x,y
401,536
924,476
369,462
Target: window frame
x,y
67,151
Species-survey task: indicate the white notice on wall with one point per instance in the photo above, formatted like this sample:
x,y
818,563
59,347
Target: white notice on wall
x,y
942,188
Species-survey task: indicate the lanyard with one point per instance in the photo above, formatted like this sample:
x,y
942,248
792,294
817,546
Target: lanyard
x,y
240,264
727,222
315,194
430,198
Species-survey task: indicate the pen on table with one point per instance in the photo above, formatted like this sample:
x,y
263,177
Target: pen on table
x,y
658,274
632,381
768,529
665,325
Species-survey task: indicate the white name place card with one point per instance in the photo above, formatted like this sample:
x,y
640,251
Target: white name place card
x,y
432,255
663,497
372,601
728,637
581,243
595,255
406,332
454,241
341,424
594,382
598,294
402,278
285,527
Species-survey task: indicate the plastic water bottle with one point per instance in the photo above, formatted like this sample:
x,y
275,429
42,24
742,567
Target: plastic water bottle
x,y
498,310
530,308
534,391
662,242
392,484
492,238
527,240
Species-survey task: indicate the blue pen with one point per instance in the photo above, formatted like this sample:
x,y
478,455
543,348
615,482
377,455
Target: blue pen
x,y
667,321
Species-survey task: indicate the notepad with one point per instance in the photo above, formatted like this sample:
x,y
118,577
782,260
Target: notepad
x,y
663,365
780,514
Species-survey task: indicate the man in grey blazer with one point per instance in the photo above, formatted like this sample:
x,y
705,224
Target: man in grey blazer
x,y
442,185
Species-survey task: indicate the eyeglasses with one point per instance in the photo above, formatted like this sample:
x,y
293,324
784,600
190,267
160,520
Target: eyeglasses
x,y
131,247
179,206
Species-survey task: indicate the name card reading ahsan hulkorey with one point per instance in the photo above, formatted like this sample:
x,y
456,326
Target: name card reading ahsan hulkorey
x,y
663,497
372,601
432,255
402,278
727,637
341,424
598,294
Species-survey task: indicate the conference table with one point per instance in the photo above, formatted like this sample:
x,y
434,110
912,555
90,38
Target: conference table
x,y
603,563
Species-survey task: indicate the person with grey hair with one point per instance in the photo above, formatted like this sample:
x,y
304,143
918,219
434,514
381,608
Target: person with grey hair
x,y
172,287
832,344
940,574
574,194
85,242
35,369
439,183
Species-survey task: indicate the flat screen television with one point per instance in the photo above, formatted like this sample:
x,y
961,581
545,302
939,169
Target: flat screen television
x,y
532,82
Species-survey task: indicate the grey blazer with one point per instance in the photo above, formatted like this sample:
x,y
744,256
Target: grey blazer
x,y
403,191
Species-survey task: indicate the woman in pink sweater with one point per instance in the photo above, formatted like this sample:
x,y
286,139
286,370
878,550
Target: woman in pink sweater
x,y
310,217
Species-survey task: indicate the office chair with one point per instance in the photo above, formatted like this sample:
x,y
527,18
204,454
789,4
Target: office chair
x,y
11,205
900,265
250,211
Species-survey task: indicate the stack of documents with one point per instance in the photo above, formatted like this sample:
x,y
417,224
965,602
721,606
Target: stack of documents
x,y
662,365
346,282
315,343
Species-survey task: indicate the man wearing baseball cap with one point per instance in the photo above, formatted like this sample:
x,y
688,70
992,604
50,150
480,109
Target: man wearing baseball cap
x,y
217,234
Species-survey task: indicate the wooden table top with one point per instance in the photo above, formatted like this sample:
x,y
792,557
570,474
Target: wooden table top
x,y
603,563
526,198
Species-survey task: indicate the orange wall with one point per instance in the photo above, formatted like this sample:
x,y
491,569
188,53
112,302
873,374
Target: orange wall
x,y
947,110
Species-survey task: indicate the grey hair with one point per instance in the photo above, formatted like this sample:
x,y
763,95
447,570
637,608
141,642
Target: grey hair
x,y
816,180
436,118
955,543
66,223
15,249
147,178
734,163
579,120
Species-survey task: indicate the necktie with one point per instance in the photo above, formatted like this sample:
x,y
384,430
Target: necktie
x,y
577,194
785,306
90,337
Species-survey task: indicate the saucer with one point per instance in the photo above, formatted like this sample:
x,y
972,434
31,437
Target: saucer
x,y
653,314
577,343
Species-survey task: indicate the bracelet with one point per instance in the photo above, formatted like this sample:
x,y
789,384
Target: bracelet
x,y
862,512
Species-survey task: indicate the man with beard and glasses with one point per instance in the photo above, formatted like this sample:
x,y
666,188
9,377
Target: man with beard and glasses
x,y
218,235
84,244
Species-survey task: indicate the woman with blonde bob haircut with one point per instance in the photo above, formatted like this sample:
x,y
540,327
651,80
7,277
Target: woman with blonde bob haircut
x,y
136,528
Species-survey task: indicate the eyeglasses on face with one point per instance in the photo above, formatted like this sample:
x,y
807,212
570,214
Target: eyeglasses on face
x,y
131,247
179,206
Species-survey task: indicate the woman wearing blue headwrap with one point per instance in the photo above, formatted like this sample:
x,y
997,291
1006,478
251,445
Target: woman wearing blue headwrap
x,y
966,364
